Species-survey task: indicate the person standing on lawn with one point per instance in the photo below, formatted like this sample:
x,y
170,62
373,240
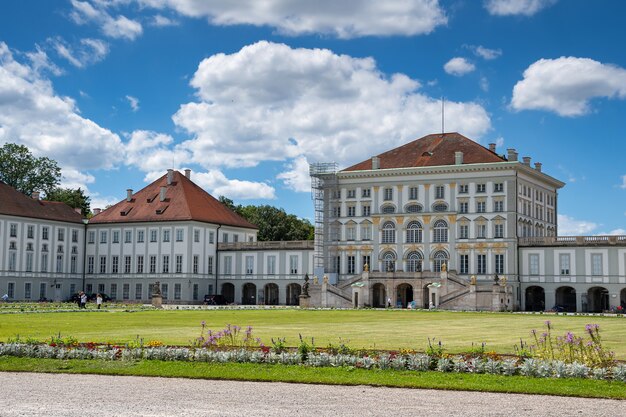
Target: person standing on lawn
x,y
99,301
83,300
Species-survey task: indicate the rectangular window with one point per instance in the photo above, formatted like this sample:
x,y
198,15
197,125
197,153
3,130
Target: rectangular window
x,y
59,263
90,264
11,290
481,264
351,193
228,265
498,187
179,235
464,264
440,192
596,264
480,207
177,288
249,265
351,264
126,291
72,288
388,194
195,292
366,193
127,264
138,291
89,289
481,231
463,207
73,264
152,264
12,261
61,235
498,231
153,235
179,264
366,261
293,264
128,236
27,290
166,235
366,210
463,189
564,262
44,262
463,231
29,262
337,211
60,249
366,232
235,238
533,264
271,265
481,188
13,230
30,232
42,290
498,206
103,237
499,263
225,238
195,263
351,233
196,236
91,237
164,288
413,193
116,237
140,236
351,211
113,294
211,237
115,265
74,236
210,265
140,264
100,288
166,264
103,264
44,233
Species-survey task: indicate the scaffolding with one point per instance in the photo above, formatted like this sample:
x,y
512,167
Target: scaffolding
x,y
323,189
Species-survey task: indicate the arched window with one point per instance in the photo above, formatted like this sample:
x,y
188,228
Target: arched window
x,y
413,208
414,262
389,233
388,209
440,231
414,232
439,258
389,261
440,207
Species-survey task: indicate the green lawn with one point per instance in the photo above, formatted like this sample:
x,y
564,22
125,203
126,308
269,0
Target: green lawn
x,y
378,329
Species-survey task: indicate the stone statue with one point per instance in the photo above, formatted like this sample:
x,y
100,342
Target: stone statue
x,y
316,280
496,278
156,288
444,267
503,281
305,286
473,280
325,279
366,268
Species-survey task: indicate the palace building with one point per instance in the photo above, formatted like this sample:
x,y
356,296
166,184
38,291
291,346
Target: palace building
x,y
441,221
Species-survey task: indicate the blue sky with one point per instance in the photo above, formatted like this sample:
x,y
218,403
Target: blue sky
x,y
247,93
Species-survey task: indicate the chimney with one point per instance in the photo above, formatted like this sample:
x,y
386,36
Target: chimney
x,y
511,155
35,195
492,147
162,194
458,158
129,195
538,166
96,211
170,177
375,162
526,160
78,210
188,173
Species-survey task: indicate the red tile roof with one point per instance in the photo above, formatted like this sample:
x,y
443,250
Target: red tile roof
x,y
184,200
432,150
14,203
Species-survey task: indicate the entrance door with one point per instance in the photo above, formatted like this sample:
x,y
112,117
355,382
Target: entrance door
x,y
57,293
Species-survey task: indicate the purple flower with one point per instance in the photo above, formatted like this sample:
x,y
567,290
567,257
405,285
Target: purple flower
x,y
569,337
548,323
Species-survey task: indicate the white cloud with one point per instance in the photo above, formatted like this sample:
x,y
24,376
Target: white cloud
x,y
568,226
458,66
88,51
297,175
162,21
516,7
499,142
270,102
133,102
566,85
218,184
617,232
487,53
72,178
102,202
344,19
32,114
84,12
40,62
484,84
152,152
623,185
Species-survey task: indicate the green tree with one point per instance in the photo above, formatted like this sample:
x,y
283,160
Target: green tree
x,y
22,171
74,198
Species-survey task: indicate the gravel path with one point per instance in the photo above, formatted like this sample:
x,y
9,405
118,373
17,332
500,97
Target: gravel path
x,y
95,395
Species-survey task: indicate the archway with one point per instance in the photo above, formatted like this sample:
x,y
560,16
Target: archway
x,y
271,294
378,296
228,292
597,299
566,299
404,295
293,294
248,295
535,299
